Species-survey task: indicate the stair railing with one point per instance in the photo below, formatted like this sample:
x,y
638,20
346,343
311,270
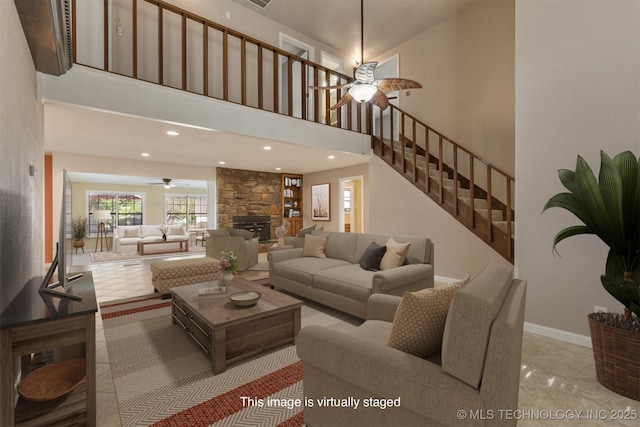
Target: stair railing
x,y
395,132
198,55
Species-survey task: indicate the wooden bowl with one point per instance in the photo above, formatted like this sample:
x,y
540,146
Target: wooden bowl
x,y
54,380
245,298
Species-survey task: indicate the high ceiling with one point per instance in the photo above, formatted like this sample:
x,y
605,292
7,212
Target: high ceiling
x,y
336,23
333,22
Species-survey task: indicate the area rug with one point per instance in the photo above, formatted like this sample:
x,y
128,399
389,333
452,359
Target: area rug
x,y
162,378
120,256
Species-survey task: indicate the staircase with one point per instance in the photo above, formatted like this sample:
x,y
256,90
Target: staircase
x,y
449,175
472,190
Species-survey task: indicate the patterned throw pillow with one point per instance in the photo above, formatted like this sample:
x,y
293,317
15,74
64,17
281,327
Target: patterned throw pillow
x,y
395,255
419,321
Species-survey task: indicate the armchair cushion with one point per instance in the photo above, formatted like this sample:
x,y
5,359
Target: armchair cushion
x,y
304,231
418,324
245,234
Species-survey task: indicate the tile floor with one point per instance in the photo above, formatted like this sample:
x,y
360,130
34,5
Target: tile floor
x,y
557,379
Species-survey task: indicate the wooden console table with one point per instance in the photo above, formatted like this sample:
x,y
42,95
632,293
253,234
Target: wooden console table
x,y
32,323
184,246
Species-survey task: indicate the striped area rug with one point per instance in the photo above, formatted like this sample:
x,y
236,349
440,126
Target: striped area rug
x,y
162,378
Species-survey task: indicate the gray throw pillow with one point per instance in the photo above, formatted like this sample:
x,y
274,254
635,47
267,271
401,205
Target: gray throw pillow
x,y
305,231
370,259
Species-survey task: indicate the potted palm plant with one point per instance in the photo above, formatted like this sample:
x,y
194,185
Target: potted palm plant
x,y
609,207
79,231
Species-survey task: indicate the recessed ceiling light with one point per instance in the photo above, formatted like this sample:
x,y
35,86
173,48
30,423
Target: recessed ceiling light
x,y
172,133
145,154
278,169
266,147
331,157
222,162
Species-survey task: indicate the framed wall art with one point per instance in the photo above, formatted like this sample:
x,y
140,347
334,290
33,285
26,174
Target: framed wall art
x,y
320,202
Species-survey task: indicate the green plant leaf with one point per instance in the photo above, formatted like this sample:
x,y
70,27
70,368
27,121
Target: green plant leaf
x,y
610,185
568,232
625,291
568,179
588,192
571,203
627,167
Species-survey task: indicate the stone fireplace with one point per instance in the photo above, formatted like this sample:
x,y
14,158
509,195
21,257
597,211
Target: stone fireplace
x,y
259,225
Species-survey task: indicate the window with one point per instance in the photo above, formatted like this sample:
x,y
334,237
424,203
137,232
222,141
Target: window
x,y
187,210
126,209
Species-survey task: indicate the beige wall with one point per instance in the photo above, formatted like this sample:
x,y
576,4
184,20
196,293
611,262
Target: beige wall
x,y
578,91
22,146
466,68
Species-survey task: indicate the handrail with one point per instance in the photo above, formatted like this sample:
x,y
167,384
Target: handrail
x,y
497,197
306,71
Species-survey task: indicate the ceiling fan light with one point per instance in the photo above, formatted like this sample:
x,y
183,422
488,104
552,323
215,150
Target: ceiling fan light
x,y
362,92
167,186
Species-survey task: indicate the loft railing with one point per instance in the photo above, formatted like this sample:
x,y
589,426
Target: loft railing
x,y
158,42
409,145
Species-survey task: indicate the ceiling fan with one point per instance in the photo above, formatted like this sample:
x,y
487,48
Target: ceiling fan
x,y
365,87
166,183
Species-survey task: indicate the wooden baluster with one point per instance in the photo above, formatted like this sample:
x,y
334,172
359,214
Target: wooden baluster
x,y
472,192
289,86
455,180
415,150
74,32
260,78
441,167
391,133
276,87
303,89
316,96
243,71
489,207
327,96
426,148
106,27
160,47
404,144
382,145
134,37
509,220
184,52
225,65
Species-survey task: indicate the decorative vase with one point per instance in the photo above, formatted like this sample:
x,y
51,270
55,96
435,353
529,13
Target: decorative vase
x,y
227,277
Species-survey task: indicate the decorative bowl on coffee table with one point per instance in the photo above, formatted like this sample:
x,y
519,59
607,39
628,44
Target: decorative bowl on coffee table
x,y
245,298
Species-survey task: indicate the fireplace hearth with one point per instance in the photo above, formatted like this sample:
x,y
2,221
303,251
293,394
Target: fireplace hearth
x,y
260,225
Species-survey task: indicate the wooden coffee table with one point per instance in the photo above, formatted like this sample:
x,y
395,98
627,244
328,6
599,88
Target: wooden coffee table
x,y
184,246
226,333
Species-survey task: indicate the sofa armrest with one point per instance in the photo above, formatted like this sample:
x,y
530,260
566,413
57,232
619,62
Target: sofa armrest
x,y
422,385
382,307
282,255
384,281
295,241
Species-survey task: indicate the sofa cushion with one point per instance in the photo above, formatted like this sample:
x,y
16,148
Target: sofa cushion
x,y
150,230
303,232
469,321
418,324
314,246
395,255
123,230
176,230
126,241
341,245
372,256
348,280
374,331
302,269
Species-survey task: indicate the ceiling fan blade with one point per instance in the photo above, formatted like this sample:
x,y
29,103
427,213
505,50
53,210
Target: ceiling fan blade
x,y
365,72
331,87
380,100
343,101
396,84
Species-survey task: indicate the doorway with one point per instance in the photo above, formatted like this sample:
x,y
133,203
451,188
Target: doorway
x,y
351,205
304,51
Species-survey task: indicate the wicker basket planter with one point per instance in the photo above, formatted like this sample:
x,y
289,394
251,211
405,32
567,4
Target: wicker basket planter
x,y
617,357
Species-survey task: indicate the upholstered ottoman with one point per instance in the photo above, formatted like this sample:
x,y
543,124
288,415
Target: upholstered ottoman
x,y
169,274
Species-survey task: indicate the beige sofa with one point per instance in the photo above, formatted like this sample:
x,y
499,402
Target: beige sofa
x,y
338,281
126,237
473,381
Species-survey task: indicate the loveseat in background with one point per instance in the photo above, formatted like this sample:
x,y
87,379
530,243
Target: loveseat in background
x,y
126,237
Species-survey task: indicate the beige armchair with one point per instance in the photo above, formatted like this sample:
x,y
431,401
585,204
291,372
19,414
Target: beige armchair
x,y
473,381
243,246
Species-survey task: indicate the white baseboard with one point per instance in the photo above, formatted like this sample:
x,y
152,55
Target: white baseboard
x,y
558,334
